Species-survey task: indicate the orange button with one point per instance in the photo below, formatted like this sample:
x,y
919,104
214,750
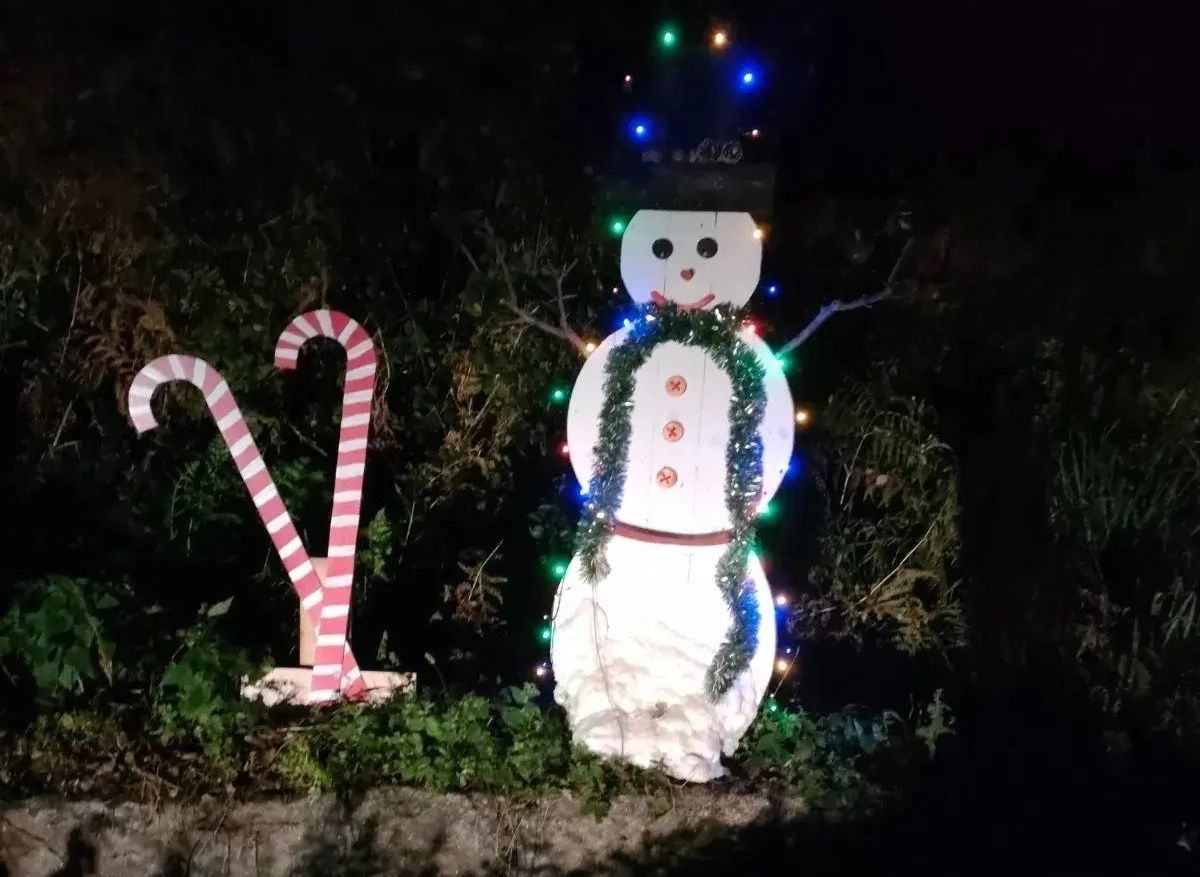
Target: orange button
x,y
673,431
667,477
676,385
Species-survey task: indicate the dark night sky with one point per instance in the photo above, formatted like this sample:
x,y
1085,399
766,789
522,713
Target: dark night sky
x,y
871,97
1101,77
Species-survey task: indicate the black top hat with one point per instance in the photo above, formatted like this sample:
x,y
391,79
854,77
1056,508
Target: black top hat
x,y
690,137
678,185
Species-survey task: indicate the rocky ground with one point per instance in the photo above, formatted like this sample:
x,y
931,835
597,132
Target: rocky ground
x,y
393,831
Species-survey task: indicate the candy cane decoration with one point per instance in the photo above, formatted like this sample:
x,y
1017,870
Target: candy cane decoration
x,y
359,390
258,482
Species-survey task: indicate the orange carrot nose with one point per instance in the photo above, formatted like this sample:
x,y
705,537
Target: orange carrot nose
x,y
687,273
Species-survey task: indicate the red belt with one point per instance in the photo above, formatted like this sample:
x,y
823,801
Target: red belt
x,y
644,534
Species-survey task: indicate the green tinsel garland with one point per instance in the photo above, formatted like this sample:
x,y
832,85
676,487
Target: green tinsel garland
x,y
715,331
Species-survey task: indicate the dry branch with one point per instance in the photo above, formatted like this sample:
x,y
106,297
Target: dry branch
x,y
512,300
837,305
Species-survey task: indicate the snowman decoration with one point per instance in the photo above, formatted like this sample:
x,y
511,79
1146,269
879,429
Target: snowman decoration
x,y
680,427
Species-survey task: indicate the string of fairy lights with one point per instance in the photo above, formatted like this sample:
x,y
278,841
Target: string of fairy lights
x,y
747,76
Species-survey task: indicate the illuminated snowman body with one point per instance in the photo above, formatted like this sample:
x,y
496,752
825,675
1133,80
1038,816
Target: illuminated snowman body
x,y
631,651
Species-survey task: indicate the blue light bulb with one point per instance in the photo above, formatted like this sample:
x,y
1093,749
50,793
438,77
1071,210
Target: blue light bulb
x,y
772,290
639,129
748,78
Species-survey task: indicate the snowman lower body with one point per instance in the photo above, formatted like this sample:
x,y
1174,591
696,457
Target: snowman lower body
x,y
631,652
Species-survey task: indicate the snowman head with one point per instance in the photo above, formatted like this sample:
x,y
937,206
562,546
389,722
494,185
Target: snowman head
x,y
696,259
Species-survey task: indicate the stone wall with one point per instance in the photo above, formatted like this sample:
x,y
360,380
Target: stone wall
x,y
393,831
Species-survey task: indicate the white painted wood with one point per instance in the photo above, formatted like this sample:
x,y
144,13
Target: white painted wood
x,y
630,657
630,652
308,633
696,504
583,411
729,276
778,428
293,684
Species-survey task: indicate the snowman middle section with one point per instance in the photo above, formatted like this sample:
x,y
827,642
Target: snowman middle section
x,y
631,650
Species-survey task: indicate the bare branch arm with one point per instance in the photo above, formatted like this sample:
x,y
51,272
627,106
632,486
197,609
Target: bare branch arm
x,y
569,333
837,306
568,336
512,301
563,329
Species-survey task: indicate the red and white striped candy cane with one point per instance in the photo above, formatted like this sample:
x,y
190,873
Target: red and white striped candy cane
x,y
357,394
254,473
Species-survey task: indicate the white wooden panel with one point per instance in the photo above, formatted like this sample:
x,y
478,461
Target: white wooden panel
x,y
640,491
583,411
677,509
641,270
778,428
730,276
696,504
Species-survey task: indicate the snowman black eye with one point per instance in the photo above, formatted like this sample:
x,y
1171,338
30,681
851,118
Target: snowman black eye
x,y
662,248
706,247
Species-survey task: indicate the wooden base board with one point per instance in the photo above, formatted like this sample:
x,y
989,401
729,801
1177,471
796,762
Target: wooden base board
x,y
292,684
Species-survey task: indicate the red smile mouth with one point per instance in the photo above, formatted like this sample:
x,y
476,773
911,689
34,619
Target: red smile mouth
x,y
659,299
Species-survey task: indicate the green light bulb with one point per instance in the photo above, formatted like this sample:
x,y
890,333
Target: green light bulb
x,y
559,569
558,395
544,634
617,226
667,37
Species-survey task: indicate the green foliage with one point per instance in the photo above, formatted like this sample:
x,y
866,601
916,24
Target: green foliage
x,y
479,595
60,630
887,558
205,500
817,758
509,746
68,750
199,698
1049,387
934,721
376,550
147,242
833,762
1124,505
1146,486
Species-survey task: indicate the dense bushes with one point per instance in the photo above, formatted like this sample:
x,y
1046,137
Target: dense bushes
x,y
997,495
112,719
509,746
60,629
